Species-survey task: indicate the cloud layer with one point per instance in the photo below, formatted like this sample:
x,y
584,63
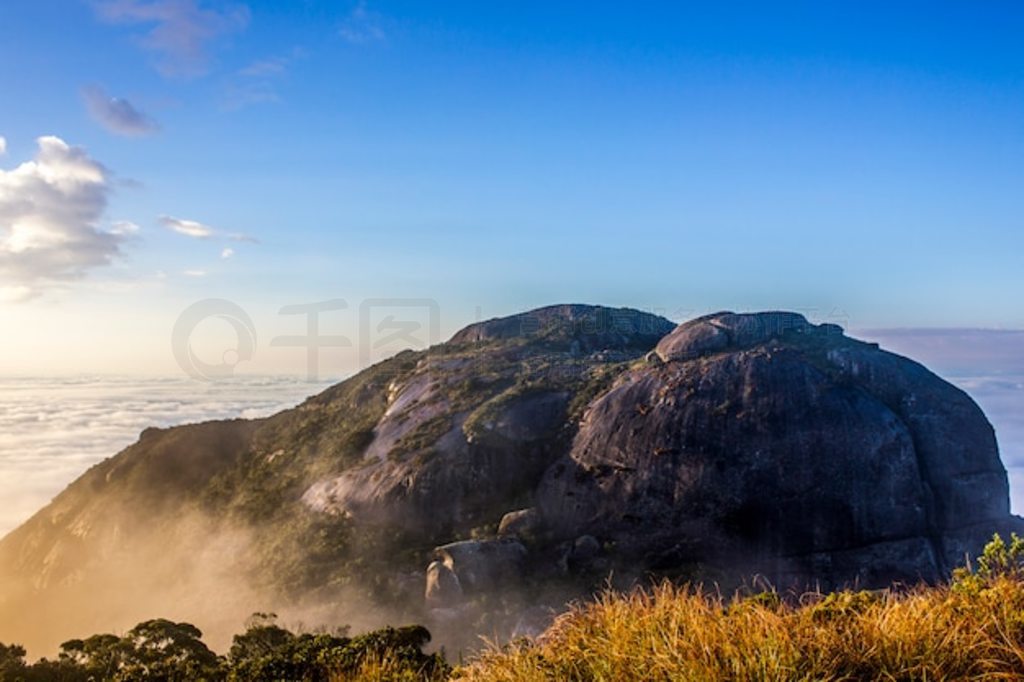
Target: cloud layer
x,y
52,430
178,31
117,115
50,212
957,352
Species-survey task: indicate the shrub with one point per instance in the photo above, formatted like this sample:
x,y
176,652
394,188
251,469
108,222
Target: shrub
x,y
173,652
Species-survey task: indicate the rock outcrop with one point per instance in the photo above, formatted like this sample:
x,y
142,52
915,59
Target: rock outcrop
x,y
473,427
570,443
584,328
765,442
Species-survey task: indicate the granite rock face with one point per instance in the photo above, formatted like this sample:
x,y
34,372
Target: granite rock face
x,y
474,426
764,442
530,457
590,328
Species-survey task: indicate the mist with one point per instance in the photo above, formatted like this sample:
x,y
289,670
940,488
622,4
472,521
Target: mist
x,y
196,569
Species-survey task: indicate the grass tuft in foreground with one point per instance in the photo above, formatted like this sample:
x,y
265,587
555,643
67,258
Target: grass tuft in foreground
x,y
972,628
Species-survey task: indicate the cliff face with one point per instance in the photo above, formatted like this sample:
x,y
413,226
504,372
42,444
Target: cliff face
x,y
786,447
470,429
548,447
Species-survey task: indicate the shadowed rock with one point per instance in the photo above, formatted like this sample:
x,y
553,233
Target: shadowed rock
x,y
766,442
484,565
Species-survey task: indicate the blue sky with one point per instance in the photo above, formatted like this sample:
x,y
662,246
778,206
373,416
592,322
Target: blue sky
x,y
858,161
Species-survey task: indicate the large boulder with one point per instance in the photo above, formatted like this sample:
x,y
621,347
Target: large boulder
x,y
472,428
483,565
764,443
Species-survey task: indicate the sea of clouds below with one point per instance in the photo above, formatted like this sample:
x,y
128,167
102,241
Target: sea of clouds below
x,y
52,430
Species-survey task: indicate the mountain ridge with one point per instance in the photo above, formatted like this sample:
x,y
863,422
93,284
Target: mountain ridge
x,y
427,487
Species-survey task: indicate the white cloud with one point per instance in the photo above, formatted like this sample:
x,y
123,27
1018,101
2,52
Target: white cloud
x,y
3,146
197,230
117,115
179,31
362,26
195,273
124,227
227,253
189,228
50,211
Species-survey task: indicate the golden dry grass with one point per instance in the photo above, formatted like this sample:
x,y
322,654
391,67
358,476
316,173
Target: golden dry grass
x,y
970,629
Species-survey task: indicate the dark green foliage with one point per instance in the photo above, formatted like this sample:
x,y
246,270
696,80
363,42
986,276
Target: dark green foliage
x,y
157,650
12,662
100,656
425,435
165,651
320,657
596,382
998,559
355,442
261,638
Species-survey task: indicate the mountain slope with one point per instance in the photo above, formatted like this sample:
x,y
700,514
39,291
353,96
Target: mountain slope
x,y
520,463
338,501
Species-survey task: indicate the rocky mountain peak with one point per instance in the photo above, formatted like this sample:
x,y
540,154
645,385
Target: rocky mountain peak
x,y
762,440
731,331
589,327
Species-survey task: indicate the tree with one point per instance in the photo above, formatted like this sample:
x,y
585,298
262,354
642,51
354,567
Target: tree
x,y
164,650
262,637
99,656
12,663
